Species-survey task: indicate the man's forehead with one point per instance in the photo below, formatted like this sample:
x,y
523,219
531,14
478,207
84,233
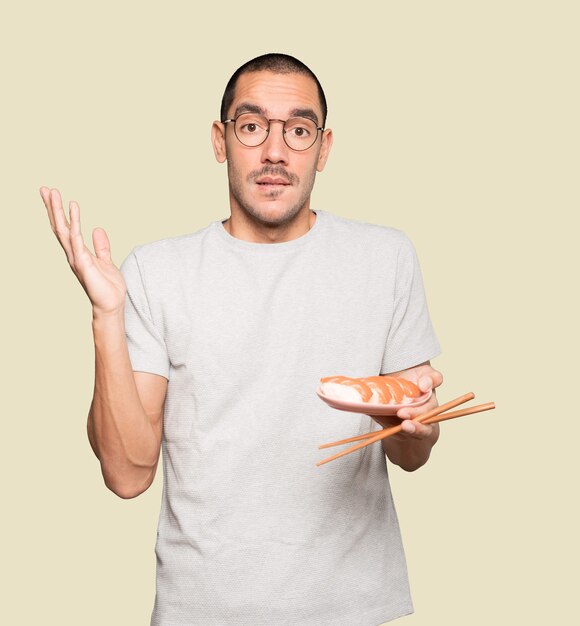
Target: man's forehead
x,y
277,94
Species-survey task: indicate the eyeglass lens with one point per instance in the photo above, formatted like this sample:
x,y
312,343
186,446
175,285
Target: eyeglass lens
x,y
252,129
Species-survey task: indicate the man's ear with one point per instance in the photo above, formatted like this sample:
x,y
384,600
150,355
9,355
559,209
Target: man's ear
x,y
218,140
324,149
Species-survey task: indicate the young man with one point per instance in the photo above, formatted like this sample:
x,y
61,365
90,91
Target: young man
x,y
211,345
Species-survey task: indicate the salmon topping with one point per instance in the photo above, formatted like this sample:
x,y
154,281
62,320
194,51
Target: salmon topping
x,y
379,389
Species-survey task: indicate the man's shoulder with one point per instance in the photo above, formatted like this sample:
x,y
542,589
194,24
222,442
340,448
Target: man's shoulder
x,y
367,232
170,246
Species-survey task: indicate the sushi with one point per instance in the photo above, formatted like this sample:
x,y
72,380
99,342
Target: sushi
x,y
371,389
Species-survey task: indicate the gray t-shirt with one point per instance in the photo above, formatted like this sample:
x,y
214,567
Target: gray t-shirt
x,y
251,532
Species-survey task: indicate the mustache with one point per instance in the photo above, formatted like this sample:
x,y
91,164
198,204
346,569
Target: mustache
x,y
273,170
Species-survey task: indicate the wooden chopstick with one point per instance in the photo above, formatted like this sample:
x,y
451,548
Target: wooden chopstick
x,y
387,432
453,414
436,411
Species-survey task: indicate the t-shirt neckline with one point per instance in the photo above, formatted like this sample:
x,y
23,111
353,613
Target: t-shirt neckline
x,y
271,248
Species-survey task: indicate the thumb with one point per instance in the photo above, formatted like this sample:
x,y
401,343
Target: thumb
x,y
102,245
425,383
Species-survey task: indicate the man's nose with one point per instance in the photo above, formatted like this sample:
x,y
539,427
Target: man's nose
x,y
274,149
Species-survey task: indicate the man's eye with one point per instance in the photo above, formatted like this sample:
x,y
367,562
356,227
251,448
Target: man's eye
x,y
299,131
252,127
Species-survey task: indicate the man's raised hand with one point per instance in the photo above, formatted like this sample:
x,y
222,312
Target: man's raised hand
x,y
100,278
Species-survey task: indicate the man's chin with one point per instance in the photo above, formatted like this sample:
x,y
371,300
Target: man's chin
x,y
272,192
274,214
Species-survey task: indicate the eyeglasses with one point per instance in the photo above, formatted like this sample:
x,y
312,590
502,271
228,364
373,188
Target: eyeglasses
x,y
252,129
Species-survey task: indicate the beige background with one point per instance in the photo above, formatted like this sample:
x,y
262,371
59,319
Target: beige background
x,y
455,121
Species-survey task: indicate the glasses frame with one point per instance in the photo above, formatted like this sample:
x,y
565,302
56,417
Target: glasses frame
x,y
283,122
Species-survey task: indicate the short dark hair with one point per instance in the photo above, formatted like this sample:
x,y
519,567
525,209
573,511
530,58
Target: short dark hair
x,y
272,62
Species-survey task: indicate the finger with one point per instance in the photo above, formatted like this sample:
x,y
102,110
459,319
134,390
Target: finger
x,y
408,427
425,383
412,413
76,238
429,380
57,210
62,230
437,378
102,245
81,254
416,429
45,194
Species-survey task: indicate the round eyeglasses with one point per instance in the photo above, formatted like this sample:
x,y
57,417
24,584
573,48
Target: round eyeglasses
x,y
252,129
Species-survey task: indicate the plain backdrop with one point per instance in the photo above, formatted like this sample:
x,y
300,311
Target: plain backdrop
x,y
456,122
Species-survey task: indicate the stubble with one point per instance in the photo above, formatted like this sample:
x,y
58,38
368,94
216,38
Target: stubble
x,y
239,189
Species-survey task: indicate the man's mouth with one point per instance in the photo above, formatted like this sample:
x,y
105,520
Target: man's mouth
x,y
271,181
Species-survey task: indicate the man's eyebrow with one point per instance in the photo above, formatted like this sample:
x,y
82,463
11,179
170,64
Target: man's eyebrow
x,y
305,113
248,107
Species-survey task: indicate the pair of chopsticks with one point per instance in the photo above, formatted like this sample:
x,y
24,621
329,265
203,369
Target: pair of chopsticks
x,y
437,414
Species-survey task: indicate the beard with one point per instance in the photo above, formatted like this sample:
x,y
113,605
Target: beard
x,y
239,189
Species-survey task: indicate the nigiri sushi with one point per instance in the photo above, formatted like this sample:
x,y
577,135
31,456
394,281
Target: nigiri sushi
x,y
371,389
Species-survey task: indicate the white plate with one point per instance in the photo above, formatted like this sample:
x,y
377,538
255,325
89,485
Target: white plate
x,y
369,408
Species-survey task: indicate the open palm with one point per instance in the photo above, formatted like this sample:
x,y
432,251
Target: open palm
x,y
100,278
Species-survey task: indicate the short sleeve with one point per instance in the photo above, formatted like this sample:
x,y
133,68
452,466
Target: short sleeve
x,y
411,339
147,350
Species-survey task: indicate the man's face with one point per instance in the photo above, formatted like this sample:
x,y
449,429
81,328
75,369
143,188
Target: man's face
x,y
272,183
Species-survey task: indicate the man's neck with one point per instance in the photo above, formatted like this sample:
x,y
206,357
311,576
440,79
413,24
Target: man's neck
x,y
249,230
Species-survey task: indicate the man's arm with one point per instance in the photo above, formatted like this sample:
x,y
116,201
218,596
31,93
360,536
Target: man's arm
x,y
125,419
411,448
126,416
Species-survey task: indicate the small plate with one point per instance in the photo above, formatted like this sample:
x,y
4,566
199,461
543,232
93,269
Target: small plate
x,y
368,408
